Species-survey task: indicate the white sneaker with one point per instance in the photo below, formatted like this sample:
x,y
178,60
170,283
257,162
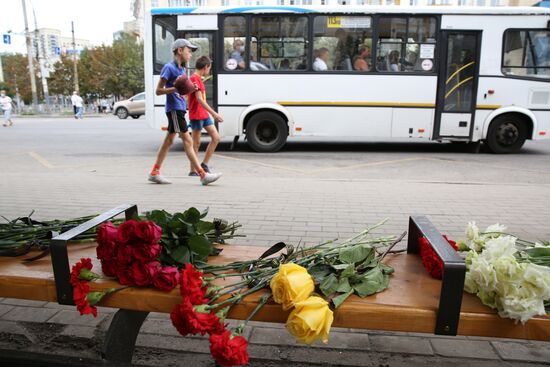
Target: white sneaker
x,y
159,179
210,177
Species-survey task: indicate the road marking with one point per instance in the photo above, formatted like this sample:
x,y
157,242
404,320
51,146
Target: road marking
x,y
260,163
370,164
41,160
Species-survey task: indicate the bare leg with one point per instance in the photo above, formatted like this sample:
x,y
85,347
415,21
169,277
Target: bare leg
x,y
163,150
214,140
196,135
190,152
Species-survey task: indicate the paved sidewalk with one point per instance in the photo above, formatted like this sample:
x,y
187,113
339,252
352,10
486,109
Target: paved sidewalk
x,y
306,193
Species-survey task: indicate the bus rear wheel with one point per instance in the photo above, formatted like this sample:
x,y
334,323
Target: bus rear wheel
x,y
266,132
507,134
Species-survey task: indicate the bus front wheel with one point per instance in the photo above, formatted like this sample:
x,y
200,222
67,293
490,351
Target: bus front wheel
x,y
266,132
507,134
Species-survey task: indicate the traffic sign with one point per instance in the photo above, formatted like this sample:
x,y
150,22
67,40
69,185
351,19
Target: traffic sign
x,y
58,50
7,39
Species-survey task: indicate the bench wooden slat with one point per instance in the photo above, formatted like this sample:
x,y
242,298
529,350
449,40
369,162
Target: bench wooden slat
x,y
409,304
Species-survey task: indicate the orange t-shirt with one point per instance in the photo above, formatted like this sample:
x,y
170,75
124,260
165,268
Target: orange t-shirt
x,y
196,111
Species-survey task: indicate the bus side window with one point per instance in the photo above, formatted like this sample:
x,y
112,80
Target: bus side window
x,y
348,40
278,42
234,43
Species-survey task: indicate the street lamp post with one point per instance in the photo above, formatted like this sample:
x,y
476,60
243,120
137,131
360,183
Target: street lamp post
x,y
75,68
40,56
29,56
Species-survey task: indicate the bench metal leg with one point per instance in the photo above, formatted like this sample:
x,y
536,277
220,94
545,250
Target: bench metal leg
x,y
120,340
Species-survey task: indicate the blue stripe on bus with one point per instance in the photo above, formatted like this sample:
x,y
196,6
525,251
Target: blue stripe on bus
x,y
173,10
252,8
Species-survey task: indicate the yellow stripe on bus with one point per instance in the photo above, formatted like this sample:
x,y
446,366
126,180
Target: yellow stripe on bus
x,y
358,104
385,104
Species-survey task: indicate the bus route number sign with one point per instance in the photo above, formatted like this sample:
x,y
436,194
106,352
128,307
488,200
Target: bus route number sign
x,y
348,22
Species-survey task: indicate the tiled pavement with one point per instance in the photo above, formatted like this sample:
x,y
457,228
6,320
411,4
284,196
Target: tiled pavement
x,y
301,194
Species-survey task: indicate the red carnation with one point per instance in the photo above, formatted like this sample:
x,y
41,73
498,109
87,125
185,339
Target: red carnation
x,y
430,260
191,285
188,320
145,252
228,350
106,241
81,288
167,278
148,232
127,231
143,274
75,270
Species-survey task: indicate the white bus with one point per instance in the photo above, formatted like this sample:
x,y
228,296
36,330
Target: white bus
x,y
426,73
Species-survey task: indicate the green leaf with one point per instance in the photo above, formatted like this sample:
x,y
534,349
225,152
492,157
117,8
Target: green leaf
x,y
538,251
354,254
319,272
337,301
191,229
160,217
372,281
349,271
200,245
329,285
180,254
386,269
203,227
204,213
344,286
192,215
340,266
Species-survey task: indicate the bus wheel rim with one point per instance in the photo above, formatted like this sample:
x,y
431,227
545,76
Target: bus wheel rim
x,y
266,132
507,134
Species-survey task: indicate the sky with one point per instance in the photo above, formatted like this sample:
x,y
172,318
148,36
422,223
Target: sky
x,y
94,20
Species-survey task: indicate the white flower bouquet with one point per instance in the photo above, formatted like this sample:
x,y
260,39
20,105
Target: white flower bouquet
x,y
507,273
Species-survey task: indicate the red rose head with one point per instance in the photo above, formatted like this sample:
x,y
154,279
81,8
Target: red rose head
x,y
167,278
127,231
148,232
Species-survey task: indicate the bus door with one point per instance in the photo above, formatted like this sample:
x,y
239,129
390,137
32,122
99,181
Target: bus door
x,y
457,84
206,42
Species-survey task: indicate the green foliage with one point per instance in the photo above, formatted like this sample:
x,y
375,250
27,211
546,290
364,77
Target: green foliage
x,y
353,269
103,71
187,237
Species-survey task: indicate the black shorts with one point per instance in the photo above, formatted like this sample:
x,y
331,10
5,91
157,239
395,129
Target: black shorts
x,y
176,122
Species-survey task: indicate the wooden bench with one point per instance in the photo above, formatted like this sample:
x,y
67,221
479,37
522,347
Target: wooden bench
x,y
414,301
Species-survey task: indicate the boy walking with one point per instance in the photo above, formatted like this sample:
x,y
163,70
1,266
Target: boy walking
x,y
175,112
198,114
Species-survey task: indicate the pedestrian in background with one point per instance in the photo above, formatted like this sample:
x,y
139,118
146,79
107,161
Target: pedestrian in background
x,y
175,108
5,102
77,102
199,111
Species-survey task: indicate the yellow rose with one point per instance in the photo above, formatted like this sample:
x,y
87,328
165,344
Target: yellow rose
x,y
291,284
310,320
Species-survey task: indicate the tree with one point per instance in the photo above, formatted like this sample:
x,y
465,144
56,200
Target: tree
x,y
61,79
16,74
112,70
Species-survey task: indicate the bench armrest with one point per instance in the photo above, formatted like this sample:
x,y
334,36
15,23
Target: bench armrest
x,y
59,255
454,271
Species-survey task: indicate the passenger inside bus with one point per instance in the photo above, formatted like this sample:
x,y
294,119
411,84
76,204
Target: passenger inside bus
x,y
361,61
284,64
238,52
393,58
320,63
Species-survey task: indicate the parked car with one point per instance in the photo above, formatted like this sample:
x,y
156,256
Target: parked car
x,y
134,106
